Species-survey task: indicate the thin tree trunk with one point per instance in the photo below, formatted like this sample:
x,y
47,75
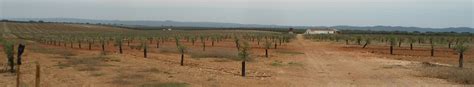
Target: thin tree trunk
x,y
90,46
243,68
432,50
400,44
38,74
275,45
80,45
461,59
212,42
203,46
266,53
120,48
157,44
103,48
280,42
365,45
347,42
391,50
182,59
144,52
449,45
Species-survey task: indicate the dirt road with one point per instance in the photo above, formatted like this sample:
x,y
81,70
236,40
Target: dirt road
x,y
327,67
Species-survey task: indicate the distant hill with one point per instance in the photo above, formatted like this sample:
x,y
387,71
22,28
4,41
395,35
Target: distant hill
x,y
149,23
409,29
140,23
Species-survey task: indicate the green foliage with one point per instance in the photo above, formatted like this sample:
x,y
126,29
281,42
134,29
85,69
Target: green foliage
x,y
118,41
177,40
368,40
267,44
181,49
392,40
461,48
8,48
244,52
411,40
277,63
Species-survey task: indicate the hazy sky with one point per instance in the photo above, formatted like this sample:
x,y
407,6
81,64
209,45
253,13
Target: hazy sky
x,y
420,13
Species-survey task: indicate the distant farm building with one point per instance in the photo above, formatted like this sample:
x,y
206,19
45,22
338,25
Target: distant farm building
x,y
321,31
168,29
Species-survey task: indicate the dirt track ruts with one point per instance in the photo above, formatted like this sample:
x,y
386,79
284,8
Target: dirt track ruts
x,y
329,67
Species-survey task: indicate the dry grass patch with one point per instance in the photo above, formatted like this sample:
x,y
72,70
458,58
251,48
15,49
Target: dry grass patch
x,y
452,74
215,53
155,70
57,51
127,79
170,84
91,63
168,49
289,52
281,63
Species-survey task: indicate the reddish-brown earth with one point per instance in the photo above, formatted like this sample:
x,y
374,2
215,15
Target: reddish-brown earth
x,y
301,63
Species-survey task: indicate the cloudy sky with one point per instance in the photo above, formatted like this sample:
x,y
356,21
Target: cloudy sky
x,y
420,13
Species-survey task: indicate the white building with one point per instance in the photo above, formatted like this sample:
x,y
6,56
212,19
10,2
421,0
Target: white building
x,y
321,31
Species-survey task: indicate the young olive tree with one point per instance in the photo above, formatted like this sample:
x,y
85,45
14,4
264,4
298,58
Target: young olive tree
x,y
157,42
79,41
392,42
461,48
119,42
400,41
244,55
102,42
359,40
411,40
450,42
176,39
203,41
182,50
145,48
8,48
267,46
213,39
90,44
367,42
237,44
193,39
432,44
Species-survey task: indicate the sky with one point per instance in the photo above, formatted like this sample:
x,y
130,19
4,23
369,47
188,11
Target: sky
x,y
416,13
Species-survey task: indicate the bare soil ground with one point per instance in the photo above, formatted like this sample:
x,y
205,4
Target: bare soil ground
x,y
301,63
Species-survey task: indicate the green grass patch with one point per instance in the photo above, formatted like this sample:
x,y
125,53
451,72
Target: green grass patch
x,y
97,74
295,64
277,63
